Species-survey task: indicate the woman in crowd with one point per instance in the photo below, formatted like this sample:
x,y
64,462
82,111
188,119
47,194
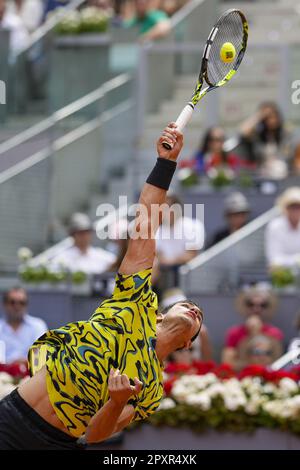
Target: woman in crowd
x,y
211,153
255,335
268,141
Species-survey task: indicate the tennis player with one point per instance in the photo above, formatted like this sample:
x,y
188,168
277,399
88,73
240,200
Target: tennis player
x,y
92,378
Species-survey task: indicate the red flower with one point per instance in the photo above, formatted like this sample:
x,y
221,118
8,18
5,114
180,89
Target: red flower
x,y
202,368
15,369
177,368
224,371
168,385
267,374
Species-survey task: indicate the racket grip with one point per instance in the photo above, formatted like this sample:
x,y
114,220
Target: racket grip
x,y
182,120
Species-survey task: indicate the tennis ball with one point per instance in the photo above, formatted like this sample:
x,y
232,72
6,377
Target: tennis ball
x,y
227,52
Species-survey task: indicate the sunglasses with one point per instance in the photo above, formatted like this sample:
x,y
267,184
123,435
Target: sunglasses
x,y
216,139
17,302
262,305
261,352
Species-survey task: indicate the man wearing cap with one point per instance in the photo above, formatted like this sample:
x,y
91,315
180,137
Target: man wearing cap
x,y
236,212
82,256
282,237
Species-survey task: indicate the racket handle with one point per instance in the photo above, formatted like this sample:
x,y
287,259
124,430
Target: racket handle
x,y
182,120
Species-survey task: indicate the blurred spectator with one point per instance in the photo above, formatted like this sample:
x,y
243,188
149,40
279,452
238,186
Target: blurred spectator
x,y
282,236
201,348
211,153
268,141
29,11
18,330
50,5
105,5
179,238
82,256
257,305
297,160
260,350
19,36
152,24
171,6
236,212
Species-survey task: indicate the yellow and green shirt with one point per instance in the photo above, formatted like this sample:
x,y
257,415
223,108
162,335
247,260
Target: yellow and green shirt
x,y
121,334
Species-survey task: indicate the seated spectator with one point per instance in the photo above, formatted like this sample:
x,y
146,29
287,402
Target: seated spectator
x,y
297,160
260,350
211,153
268,141
282,236
236,212
82,256
51,5
171,6
18,329
257,305
201,349
179,238
19,36
152,24
29,11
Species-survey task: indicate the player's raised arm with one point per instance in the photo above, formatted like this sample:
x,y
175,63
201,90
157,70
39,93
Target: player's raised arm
x,y
141,248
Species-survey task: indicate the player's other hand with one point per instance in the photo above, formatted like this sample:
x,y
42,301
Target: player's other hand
x,y
120,389
172,136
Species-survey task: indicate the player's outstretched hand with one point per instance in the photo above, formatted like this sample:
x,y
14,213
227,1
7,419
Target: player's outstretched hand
x,y
173,137
120,389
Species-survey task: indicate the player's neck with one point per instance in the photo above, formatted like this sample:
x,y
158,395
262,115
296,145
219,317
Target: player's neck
x,y
164,344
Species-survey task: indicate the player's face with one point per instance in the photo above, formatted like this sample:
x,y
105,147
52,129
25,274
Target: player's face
x,y
187,318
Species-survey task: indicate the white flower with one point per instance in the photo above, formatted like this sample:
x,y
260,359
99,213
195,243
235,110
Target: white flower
x,y
231,403
5,378
179,391
288,385
200,399
216,389
234,401
252,407
166,404
269,388
24,254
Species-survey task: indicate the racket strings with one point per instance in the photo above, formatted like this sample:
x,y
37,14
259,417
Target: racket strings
x,y
230,29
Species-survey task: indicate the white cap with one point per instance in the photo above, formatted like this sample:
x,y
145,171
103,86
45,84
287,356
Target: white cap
x,y
80,222
236,202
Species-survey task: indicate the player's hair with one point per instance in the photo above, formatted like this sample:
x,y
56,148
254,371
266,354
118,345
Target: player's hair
x,y
186,301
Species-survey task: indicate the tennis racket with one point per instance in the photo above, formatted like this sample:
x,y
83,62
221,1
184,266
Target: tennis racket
x,y
231,27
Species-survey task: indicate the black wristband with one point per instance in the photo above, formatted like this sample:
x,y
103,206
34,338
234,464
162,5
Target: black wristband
x,y
162,174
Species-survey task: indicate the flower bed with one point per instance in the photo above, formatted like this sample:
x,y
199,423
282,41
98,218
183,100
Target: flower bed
x,y
204,396
10,376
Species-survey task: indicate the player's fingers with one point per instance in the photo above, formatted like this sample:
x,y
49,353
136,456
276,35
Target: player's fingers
x,y
125,380
137,385
171,136
178,134
118,381
172,125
